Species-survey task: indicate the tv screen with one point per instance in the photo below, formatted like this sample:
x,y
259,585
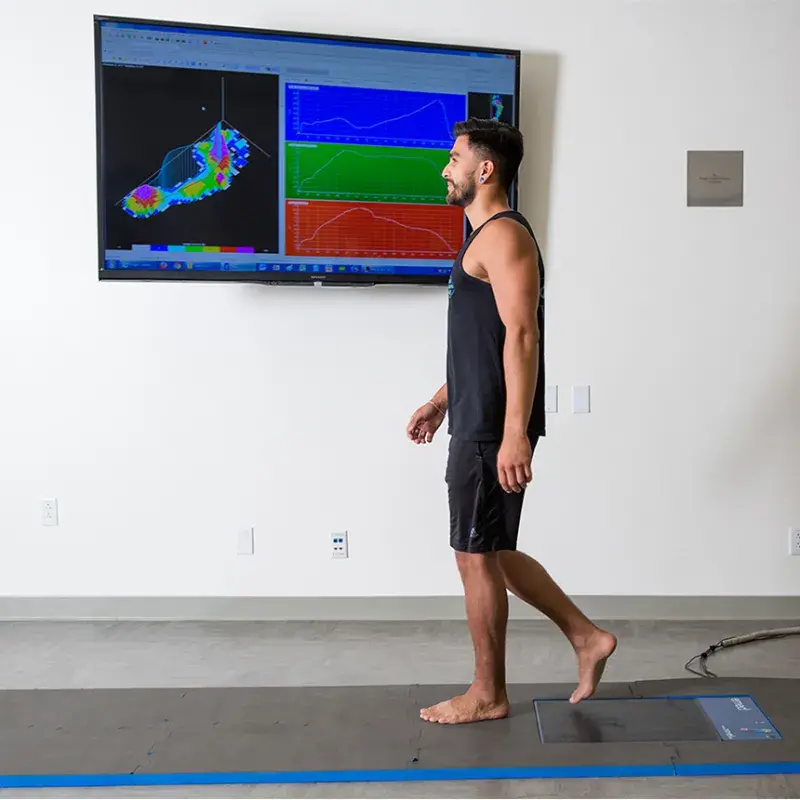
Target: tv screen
x,y
233,154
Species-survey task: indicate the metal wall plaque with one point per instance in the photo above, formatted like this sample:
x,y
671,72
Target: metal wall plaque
x,y
715,178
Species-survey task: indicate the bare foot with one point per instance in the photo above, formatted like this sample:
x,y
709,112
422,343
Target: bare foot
x,y
593,653
465,708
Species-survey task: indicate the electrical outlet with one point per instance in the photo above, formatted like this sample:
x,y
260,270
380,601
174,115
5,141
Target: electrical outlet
x,y
50,512
339,545
246,542
794,542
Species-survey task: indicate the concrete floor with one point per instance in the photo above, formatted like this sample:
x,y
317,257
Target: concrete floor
x,y
102,655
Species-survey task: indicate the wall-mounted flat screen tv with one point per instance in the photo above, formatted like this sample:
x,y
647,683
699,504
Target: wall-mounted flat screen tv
x,y
251,155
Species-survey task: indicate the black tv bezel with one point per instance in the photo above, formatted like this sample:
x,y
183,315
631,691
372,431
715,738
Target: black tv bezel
x,y
285,279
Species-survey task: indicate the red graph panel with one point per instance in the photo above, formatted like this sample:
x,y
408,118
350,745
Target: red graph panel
x,y
372,230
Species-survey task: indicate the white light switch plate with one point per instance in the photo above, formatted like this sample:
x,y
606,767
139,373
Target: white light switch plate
x,y
581,400
551,400
246,544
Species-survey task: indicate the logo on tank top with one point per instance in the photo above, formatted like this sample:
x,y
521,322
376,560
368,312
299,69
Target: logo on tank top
x,y
451,287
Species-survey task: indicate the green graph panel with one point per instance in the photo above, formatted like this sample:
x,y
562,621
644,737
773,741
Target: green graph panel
x,y
360,172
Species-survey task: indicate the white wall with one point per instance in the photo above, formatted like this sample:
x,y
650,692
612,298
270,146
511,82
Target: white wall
x,y
164,417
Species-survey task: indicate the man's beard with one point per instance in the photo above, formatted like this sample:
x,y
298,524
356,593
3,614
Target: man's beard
x,y
464,194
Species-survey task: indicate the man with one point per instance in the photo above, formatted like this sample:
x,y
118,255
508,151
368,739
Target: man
x,y
494,395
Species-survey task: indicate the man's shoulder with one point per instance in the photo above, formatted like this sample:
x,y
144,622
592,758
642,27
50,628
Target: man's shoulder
x,y
503,236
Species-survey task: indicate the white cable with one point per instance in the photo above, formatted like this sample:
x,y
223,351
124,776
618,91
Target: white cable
x,y
732,641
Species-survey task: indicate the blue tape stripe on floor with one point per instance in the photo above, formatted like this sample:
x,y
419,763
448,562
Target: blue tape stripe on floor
x,y
335,776
764,768
400,775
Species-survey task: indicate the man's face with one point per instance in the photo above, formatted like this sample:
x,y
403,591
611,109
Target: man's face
x,y
461,174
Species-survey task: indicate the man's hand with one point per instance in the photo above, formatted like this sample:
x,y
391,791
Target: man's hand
x,y
514,463
424,423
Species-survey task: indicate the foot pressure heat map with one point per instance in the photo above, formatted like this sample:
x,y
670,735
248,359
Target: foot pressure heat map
x,y
363,173
193,165
192,173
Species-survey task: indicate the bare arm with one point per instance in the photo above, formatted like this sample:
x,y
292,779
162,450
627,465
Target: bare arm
x,y
512,264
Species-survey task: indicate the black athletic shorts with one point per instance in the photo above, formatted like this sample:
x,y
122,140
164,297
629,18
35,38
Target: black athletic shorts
x,y
483,517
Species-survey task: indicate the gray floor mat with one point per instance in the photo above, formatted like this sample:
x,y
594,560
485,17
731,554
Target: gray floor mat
x,y
371,732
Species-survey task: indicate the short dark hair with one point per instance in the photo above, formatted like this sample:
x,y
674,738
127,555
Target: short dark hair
x,y
497,141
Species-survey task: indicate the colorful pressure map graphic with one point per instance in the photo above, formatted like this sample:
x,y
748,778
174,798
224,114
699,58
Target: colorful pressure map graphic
x,y
191,173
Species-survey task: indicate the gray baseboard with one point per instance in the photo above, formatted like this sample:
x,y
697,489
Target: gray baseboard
x,y
382,608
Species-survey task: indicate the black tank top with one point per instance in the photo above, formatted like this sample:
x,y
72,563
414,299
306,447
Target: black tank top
x,y
476,387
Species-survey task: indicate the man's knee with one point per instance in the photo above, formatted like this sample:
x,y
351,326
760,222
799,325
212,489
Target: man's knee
x,y
507,558
477,563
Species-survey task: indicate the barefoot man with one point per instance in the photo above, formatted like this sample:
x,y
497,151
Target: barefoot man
x,y
494,397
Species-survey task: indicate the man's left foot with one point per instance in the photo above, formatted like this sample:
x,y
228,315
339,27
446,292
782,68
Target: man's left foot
x,y
593,652
467,707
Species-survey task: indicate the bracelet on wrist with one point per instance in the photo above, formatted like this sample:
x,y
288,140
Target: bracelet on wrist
x,y
437,408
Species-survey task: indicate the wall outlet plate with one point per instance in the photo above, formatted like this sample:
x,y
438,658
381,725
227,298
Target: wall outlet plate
x,y
50,512
339,545
794,542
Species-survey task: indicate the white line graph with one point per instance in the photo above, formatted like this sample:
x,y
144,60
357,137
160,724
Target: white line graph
x,y
447,248
301,184
371,115
447,132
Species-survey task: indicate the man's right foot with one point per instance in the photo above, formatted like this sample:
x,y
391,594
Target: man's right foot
x,y
593,652
469,707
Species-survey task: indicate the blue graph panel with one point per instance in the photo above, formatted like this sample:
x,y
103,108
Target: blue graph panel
x,y
371,116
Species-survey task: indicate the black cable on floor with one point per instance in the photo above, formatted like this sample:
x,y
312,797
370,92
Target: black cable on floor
x,y
732,641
